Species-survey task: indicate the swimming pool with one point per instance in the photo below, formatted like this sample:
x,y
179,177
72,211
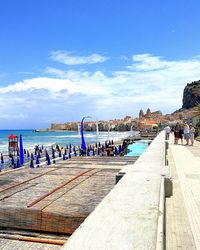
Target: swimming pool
x,y
137,148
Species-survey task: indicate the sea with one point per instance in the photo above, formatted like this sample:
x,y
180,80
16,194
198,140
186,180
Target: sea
x,y
62,138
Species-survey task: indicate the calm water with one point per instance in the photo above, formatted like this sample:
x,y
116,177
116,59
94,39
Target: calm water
x,y
137,148
31,138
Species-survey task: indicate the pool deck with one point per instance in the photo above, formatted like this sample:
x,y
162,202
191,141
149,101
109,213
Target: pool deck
x,y
183,208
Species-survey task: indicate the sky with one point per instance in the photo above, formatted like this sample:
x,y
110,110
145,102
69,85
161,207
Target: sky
x,y
61,60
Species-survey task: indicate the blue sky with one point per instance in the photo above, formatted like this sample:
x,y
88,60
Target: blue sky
x,y
61,60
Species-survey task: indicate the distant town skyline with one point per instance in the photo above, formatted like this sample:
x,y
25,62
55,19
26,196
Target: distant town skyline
x,y
61,60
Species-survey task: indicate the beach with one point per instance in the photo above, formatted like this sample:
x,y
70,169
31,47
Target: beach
x,y
62,138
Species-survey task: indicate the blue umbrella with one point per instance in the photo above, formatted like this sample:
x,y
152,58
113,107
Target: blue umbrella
x,y
116,151
32,156
37,160
47,156
48,160
53,154
12,160
39,155
31,164
2,159
93,152
28,154
21,150
120,149
18,163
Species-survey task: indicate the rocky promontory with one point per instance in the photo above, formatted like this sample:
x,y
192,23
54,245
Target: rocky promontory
x,y
191,95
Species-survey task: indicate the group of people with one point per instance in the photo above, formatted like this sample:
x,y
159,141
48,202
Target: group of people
x,y
186,131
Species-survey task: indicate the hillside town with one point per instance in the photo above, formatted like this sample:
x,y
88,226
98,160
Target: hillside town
x,y
145,120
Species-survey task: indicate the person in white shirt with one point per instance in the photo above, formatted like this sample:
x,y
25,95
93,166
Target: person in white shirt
x,y
192,131
186,131
167,131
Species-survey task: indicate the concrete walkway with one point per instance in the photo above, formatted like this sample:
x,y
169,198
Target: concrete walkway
x,y
183,208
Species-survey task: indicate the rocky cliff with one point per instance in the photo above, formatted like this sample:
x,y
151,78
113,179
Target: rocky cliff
x,y
191,95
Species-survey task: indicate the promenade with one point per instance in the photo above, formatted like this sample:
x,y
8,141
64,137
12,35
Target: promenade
x,y
183,208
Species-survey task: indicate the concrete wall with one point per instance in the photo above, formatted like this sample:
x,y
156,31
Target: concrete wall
x,y
131,215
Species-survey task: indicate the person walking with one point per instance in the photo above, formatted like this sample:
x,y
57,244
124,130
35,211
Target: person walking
x,y
192,132
180,133
186,131
176,133
167,132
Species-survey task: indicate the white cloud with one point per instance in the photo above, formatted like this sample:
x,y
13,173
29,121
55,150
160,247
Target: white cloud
x,y
146,62
149,82
69,59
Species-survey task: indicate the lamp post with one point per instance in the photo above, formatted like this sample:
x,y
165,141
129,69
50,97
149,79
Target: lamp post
x,y
83,145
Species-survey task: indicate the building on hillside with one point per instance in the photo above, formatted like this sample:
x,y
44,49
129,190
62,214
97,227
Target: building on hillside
x,y
58,126
141,114
148,113
147,124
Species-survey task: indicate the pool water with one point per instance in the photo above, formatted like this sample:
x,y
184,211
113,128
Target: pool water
x,y
137,148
